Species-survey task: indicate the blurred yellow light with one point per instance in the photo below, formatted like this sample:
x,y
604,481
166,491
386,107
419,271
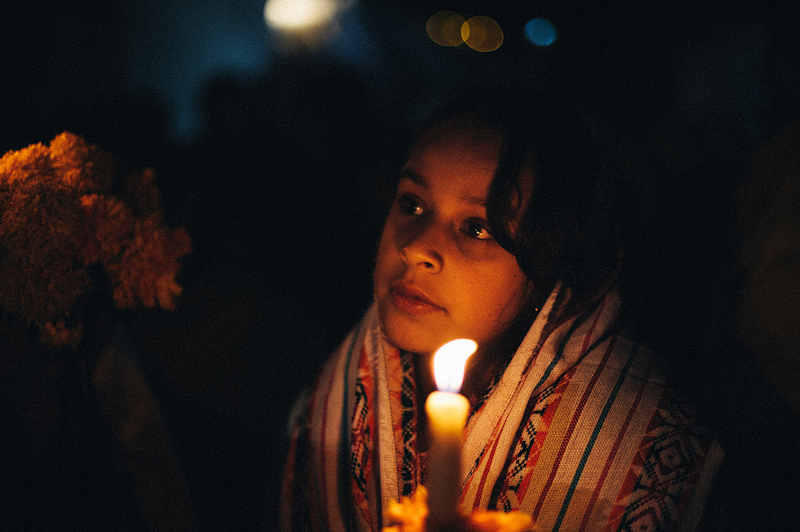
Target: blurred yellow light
x,y
296,15
482,34
444,28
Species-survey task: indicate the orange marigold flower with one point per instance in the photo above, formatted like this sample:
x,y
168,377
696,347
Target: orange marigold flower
x,y
410,514
39,234
109,228
58,219
22,164
148,269
81,165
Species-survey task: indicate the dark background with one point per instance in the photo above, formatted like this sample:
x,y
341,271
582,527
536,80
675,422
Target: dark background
x,y
270,156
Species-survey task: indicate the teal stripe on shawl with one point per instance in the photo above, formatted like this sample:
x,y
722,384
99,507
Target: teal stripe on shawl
x,y
568,336
593,438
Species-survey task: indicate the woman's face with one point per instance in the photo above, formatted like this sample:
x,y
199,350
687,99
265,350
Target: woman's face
x,y
439,274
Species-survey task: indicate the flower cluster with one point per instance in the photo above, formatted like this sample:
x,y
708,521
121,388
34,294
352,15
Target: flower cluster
x,y
410,514
59,219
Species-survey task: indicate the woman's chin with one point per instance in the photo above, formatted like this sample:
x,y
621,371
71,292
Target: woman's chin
x,y
411,337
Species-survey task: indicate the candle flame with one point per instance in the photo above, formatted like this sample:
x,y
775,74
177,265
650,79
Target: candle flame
x,y
449,361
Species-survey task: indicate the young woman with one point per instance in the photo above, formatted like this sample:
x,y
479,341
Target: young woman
x,y
502,231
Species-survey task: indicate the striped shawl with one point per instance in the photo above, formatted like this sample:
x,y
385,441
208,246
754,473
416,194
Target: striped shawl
x,y
580,431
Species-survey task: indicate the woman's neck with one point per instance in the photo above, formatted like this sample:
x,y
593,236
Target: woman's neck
x,y
478,378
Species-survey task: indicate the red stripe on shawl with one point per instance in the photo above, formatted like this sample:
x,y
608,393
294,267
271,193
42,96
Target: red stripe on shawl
x,y
482,483
615,516
541,431
362,434
394,377
550,407
613,453
323,507
572,424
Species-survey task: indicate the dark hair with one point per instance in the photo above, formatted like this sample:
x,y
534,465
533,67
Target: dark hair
x,y
566,231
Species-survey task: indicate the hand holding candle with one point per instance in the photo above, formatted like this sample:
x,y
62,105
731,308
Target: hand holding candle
x,y
447,412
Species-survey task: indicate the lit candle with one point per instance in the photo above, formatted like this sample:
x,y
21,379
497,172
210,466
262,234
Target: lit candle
x,y
447,412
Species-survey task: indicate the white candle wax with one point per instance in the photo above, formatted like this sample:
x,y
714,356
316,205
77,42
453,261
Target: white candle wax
x,y
447,414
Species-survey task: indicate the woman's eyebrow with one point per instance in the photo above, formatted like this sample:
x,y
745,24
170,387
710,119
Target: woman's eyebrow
x,y
414,177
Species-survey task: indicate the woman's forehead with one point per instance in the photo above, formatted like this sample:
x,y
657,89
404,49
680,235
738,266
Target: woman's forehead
x,y
455,155
460,140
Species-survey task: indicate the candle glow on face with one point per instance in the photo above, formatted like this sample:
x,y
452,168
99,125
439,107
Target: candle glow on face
x,y
449,362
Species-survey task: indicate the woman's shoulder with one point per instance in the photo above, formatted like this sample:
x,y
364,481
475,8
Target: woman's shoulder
x,y
620,354
623,372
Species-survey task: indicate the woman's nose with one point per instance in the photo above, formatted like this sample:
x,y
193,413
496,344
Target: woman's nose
x,y
424,248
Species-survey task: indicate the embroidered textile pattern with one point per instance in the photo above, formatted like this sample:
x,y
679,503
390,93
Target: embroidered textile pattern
x,y
673,452
529,445
624,455
474,410
409,425
361,437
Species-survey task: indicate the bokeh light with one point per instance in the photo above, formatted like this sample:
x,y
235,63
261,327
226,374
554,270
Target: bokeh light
x,y
540,32
448,28
299,15
482,34
444,28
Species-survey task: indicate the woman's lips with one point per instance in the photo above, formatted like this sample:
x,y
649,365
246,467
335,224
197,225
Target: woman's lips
x,y
411,299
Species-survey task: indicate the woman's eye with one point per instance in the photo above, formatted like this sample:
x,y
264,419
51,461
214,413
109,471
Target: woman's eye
x,y
409,205
476,229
